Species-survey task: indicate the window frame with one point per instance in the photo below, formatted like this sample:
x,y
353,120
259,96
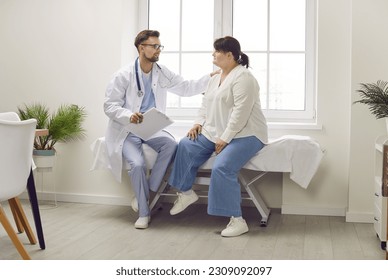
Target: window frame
x,y
223,26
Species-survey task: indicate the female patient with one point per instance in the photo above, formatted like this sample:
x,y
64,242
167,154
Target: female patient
x,y
231,124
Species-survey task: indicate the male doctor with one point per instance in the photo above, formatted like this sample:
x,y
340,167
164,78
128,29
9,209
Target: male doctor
x,y
133,90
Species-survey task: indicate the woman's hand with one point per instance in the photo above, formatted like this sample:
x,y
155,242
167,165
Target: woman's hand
x,y
220,145
194,132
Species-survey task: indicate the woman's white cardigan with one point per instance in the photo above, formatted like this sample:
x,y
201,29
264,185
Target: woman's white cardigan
x,y
232,109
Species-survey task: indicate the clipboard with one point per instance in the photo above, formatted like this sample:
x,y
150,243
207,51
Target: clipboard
x,y
153,122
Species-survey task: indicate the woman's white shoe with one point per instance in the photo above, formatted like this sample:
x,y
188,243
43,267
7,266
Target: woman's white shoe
x,y
235,227
183,201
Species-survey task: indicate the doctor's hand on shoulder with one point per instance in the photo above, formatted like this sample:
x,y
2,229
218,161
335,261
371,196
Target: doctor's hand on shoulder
x,y
218,71
136,118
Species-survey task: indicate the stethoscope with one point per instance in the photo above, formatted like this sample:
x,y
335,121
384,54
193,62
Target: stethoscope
x,y
140,93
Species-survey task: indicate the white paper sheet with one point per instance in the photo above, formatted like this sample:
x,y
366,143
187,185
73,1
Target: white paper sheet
x,y
296,154
153,121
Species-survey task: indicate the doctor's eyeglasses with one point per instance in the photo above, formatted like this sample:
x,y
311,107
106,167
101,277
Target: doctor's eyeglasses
x,y
155,46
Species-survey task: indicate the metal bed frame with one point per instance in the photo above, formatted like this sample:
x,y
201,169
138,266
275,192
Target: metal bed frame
x,y
248,184
203,178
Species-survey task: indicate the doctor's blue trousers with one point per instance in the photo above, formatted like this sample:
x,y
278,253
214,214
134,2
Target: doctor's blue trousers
x,y
224,197
165,146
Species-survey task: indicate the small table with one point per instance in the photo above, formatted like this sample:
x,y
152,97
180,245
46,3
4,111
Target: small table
x,y
34,199
41,132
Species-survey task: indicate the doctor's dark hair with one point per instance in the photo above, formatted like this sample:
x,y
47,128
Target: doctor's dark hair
x,y
230,44
144,35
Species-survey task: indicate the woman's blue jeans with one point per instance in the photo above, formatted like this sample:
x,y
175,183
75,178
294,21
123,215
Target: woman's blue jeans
x,y
224,198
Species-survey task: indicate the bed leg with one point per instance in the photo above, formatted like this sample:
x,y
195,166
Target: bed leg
x,y
263,222
163,188
256,198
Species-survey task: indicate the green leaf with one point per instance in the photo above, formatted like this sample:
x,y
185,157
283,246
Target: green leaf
x,y
375,96
64,125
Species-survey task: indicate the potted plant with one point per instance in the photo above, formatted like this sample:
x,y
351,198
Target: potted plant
x,y
375,96
64,125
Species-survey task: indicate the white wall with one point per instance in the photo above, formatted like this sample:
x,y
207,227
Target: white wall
x,y
56,52
351,50
369,64
66,51
327,194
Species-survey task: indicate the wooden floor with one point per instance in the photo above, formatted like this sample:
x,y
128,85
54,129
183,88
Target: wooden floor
x,y
93,232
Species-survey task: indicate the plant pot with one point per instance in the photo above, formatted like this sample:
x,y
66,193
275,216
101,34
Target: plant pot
x,y
44,159
43,152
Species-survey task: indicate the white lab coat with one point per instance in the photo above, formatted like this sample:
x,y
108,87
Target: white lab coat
x,y
122,100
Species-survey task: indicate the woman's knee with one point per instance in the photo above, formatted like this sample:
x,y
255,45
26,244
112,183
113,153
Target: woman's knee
x,y
223,167
185,146
219,164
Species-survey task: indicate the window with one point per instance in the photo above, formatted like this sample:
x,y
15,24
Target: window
x,y
277,35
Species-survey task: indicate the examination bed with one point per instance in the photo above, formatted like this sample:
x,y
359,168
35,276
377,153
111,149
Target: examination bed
x,y
297,155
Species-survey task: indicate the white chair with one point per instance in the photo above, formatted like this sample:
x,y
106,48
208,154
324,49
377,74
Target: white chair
x,y
16,144
12,116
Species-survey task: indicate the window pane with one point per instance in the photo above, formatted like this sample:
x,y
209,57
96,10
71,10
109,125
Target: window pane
x,y
258,67
250,15
172,100
194,66
287,82
272,33
197,25
287,25
171,61
167,25
192,101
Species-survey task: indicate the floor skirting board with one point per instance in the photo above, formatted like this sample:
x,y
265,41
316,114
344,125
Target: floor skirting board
x,y
357,217
286,209
308,210
83,198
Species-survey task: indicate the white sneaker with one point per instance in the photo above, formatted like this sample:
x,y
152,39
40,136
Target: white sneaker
x,y
135,204
183,201
235,227
142,222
